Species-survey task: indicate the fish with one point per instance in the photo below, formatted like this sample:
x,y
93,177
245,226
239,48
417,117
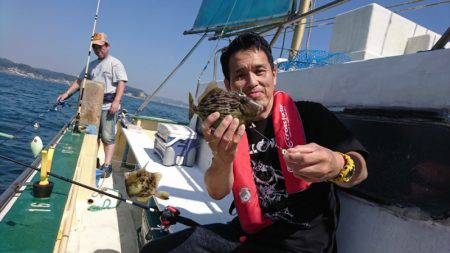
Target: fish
x,y
36,146
143,184
233,103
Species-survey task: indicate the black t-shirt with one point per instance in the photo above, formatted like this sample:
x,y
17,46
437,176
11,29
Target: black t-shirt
x,y
318,203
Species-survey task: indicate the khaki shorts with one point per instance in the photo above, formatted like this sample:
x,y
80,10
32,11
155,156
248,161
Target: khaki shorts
x,y
107,129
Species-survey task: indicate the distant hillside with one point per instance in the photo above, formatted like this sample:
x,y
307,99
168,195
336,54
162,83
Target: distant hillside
x,y
170,101
24,70
35,73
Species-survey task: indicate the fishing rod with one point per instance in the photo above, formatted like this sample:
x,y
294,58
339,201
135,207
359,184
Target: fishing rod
x,y
169,216
83,83
54,107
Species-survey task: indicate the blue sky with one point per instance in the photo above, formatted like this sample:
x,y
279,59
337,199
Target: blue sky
x,y
146,35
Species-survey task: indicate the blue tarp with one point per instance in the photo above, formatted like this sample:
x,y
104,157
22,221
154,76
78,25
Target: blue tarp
x,y
214,13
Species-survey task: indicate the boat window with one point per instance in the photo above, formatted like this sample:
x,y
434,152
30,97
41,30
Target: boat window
x,y
409,161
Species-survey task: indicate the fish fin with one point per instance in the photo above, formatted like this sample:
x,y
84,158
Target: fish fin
x,y
162,195
211,86
156,176
191,106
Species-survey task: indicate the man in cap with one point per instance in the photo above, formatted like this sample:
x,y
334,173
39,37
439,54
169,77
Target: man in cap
x,y
111,72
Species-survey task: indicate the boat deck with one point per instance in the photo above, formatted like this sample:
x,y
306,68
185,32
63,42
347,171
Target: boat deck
x,y
184,184
27,223
75,219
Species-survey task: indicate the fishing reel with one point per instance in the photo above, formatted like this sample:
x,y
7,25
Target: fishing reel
x,y
169,216
123,118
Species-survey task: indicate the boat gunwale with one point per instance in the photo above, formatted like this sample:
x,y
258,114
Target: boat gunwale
x,y
9,193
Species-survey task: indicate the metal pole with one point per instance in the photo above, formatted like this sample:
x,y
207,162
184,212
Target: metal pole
x,y
83,83
147,100
310,26
282,45
297,38
440,44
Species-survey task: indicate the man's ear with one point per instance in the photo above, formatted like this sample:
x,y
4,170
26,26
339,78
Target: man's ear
x,y
227,84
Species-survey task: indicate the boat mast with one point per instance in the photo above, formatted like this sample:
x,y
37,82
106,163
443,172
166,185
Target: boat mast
x,y
299,28
83,83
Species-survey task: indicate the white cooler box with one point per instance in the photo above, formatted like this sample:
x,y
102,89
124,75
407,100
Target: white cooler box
x,y
175,144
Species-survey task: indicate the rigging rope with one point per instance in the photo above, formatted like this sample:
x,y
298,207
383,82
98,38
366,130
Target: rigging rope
x,y
213,52
147,100
389,7
423,6
403,3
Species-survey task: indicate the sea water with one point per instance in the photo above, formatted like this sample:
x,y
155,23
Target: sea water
x,y
25,101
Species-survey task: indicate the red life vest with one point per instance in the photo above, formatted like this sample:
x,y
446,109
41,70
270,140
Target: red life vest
x,y
288,131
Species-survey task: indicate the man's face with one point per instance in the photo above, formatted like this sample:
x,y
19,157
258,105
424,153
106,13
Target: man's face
x,y
101,50
250,71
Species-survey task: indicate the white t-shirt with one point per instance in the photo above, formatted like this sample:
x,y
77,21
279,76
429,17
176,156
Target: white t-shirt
x,y
108,71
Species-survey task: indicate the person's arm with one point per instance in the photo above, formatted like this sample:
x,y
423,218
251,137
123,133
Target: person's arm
x,y
119,76
223,143
119,92
219,179
73,87
321,160
315,163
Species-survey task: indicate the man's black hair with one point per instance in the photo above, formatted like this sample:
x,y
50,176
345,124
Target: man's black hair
x,y
244,42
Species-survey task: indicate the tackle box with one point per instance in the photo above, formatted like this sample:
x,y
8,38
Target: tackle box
x,y
175,144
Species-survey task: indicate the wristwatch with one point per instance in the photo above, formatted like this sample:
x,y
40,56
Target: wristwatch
x,y
346,173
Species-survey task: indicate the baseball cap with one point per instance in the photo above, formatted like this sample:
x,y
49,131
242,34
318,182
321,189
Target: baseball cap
x,y
100,39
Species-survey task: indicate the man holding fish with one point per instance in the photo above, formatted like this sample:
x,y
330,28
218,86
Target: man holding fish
x,y
281,168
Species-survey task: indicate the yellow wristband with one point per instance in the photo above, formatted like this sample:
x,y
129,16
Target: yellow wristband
x,y
346,173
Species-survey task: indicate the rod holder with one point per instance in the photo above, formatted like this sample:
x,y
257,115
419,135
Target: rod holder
x,y
43,188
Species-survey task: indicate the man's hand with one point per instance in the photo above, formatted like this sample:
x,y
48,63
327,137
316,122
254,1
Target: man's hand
x,y
62,97
73,87
314,163
114,107
223,141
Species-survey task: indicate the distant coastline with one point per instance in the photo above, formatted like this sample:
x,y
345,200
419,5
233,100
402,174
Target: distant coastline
x,y
23,70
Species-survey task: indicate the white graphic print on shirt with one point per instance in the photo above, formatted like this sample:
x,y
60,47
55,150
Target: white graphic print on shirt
x,y
262,146
269,181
